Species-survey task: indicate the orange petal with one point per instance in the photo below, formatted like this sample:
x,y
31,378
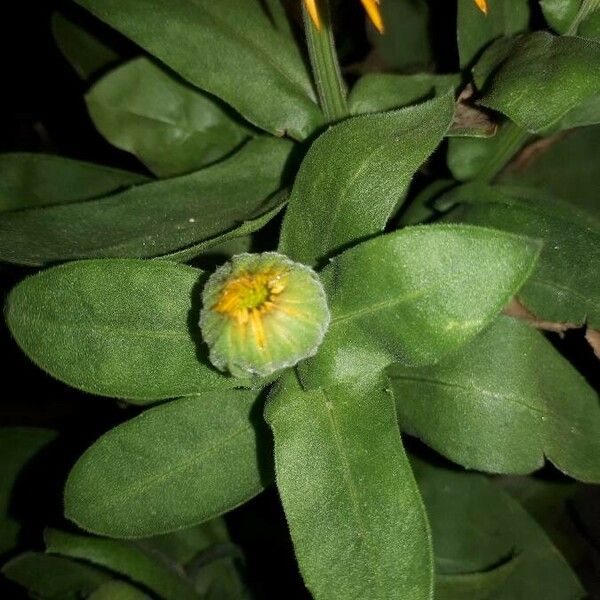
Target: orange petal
x,y
313,11
374,12
483,7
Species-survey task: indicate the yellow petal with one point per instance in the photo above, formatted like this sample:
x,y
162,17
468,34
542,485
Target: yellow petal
x,y
372,8
483,7
313,11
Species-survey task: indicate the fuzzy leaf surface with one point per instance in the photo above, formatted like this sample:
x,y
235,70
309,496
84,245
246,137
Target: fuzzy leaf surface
x,y
233,52
150,220
119,328
476,30
54,577
355,175
414,296
476,526
124,558
536,79
30,180
556,291
173,466
171,127
502,404
354,511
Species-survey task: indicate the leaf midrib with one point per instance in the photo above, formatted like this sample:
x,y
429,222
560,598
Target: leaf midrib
x,y
385,304
119,331
474,391
144,485
372,563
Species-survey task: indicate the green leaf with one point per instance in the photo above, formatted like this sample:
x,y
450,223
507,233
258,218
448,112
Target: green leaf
x,y
33,180
171,127
475,30
207,555
278,15
232,238
377,92
356,174
233,52
18,445
479,585
502,404
119,328
586,113
354,511
118,590
590,26
572,17
154,219
538,78
173,466
415,296
552,502
86,53
560,14
184,545
221,580
478,157
124,558
406,44
563,170
420,209
54,577
556,291
475,525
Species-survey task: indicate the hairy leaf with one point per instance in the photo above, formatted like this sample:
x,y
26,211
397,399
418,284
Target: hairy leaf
x,y
120,328
176,465
377,92
536,79
206,42
354,511
475,526
172,128
124,558
414,296
556,291
355,175
476,30
153,219
54,577
502,404
33,180
561,167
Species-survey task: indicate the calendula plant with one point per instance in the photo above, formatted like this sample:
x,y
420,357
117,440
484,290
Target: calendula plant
x,y
341,271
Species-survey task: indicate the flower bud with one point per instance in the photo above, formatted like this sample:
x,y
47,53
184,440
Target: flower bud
x,y
262,313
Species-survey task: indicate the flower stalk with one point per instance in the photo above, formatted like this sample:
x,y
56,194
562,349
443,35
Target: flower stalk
x,y
331,87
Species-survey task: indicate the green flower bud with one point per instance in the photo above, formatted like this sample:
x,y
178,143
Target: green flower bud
x,y
262,313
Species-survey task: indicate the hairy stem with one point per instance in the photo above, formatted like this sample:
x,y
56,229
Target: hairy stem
x,y
325,65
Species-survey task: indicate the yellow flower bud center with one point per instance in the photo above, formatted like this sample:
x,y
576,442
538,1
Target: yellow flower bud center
x,y
250,295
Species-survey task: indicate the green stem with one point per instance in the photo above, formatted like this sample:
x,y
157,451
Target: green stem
x,y
326,68
586,9
512,137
